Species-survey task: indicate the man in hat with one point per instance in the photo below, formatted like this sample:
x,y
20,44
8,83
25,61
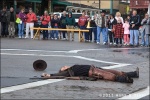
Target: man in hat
x,y
101,23
31,18
90,72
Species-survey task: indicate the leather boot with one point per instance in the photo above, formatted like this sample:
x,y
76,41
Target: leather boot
x,y
123,79
134,74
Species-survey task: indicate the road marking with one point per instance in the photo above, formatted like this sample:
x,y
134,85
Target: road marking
x,y
70,51
117,65
29,85
137,95
30,50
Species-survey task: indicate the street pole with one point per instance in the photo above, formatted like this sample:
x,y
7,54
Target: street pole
x,y
111,6
99,4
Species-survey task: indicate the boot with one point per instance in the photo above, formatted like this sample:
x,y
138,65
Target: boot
x,y
123,79
134,74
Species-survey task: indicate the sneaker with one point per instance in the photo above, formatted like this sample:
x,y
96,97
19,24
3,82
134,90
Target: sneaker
x,y
26,37
115,44
22,37
19,37
104,43
55,38
52,38
110,43
142,45
98,43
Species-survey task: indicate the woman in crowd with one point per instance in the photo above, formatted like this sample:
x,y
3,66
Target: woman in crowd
x,y
145,30
22,16
126,27
45,21
118,32
118,16
89,27
110,25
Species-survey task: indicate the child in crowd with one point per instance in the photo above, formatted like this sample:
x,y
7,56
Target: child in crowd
x,y
126,32
55,24
118,32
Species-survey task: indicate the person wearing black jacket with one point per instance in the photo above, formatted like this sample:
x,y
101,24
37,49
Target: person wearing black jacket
x,y
0,25
55,24
4,22
94,28
63,24
112,21
134,28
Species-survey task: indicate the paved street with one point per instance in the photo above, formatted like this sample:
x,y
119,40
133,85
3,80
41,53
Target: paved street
x,y
18,55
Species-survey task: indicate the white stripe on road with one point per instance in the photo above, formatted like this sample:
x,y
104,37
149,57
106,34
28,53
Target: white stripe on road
x,y
70,51
29,85
117,65
30,50
137,95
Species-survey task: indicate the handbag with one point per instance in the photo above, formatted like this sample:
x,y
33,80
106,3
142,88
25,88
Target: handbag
x,y
18,20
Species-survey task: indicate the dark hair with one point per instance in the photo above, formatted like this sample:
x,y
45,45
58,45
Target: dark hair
x,y
126,20
112,15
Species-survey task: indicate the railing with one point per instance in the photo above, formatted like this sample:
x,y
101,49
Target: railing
x,y
139,3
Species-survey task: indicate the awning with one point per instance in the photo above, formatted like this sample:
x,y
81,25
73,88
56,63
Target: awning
x,y
61,3
38,1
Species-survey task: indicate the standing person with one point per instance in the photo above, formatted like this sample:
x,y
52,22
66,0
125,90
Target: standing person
x,y
110,25
145,30
118,32
59,32
11,22
55,24
82,23
128,17
118,16
89,27
0,25
31,18
22,16
4,22
45,21
101,22
126,27
134,28
70,20
51,32
94,28
63,24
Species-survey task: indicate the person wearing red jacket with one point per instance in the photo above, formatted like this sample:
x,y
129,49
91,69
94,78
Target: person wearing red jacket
x,y
45,20
82,23
31,18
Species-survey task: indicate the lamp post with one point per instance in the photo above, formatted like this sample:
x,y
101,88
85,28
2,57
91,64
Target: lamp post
x,y
99,4
111,6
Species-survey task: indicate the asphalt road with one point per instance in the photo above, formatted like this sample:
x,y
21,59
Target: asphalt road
x,y
17,56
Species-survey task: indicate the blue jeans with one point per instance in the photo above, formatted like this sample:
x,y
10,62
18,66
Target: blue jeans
x,y
104,34
134,37
145,40
20,29
95,33
55,33
85,33
45,32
